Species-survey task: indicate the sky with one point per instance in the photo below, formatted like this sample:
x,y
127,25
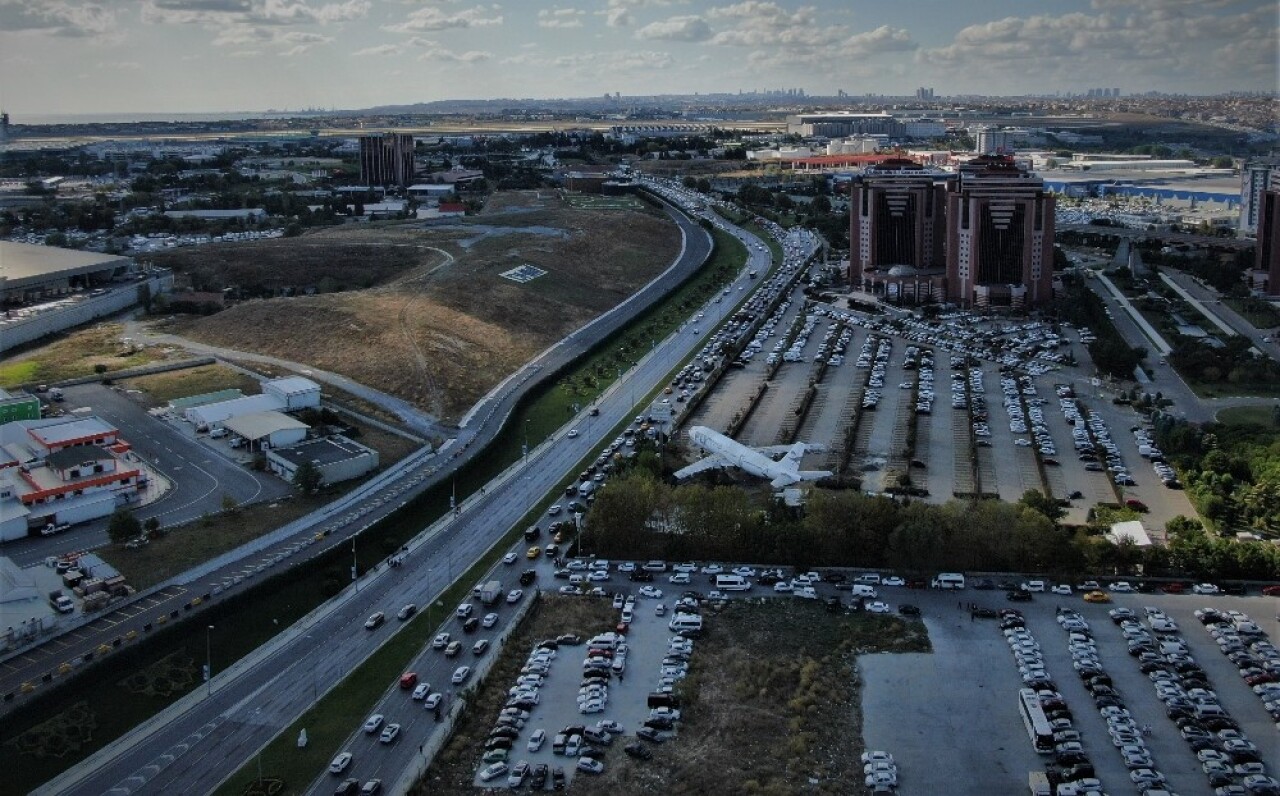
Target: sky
x,y
189,56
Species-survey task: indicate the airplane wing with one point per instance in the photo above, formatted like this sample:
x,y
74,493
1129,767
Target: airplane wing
x,y
701,466
774,450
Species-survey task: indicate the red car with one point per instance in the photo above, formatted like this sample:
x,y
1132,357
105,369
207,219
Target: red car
x,y
1174,588
408,680
1271,591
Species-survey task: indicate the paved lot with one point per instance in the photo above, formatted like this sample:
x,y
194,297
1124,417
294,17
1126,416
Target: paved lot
x,y
939,712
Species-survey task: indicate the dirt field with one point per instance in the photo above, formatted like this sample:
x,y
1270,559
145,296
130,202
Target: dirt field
x,y
74,355
447,326
770,705
161,388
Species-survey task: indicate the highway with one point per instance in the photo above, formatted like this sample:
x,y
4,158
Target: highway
x,y
203,738
22,672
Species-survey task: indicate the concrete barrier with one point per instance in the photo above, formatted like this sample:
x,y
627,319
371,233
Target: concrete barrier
x,y
91,308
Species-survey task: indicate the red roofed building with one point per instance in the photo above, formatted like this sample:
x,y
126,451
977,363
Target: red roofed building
x,y
452,209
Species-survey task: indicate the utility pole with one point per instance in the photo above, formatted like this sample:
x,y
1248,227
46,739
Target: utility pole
x,y
354,563
208,658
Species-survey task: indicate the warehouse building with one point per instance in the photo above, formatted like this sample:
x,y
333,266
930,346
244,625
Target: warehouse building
x,y
263,430
36,273
18,406
337,458
296,392
207,416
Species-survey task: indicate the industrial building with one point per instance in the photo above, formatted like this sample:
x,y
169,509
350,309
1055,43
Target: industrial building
x,y
337,458
842,124
897,232
208,416
18,406
1000,229
36,273
296,392
264,430
386,159
1255,179
63,470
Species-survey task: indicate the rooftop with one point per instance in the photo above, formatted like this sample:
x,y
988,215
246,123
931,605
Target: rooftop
x,y
71,431
24,262
325,450
261,424
291,385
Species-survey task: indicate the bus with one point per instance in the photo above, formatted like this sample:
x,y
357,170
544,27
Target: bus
x,y
1038,729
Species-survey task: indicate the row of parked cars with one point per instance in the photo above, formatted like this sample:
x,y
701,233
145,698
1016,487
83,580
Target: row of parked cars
x,y
1229,759
1249,649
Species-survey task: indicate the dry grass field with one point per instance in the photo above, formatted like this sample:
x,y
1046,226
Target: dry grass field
x,y
441,326
76,354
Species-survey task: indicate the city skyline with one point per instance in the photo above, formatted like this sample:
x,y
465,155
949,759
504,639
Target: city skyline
x,y
189,56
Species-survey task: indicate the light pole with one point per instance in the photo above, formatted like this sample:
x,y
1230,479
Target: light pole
x,y
525,449
353,562
208,657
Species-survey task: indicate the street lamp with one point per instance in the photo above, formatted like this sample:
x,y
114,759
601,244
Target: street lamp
x,y
208,657
525,450
353,561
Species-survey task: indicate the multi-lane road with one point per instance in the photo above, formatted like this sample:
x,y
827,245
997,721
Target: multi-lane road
x,y
208,735
295,543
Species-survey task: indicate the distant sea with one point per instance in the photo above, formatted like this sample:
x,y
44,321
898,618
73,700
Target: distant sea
x,y
128,118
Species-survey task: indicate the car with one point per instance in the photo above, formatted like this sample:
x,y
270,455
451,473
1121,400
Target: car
x,y
1146,777
519,773
1061,588
679,578
420,693
650,734
1205,588
537,739
349,787
876,757
371,788
465,610
493,771
390,733
573,432
471,625
1121,587
372,724
408,680
650,592
538,777
432,701
783,587
480,647
490,619
453,649
509,558
514,596
440,641
553,509
638,751
877,607
557,778
908,610
406,612
572,745
533,552
589,765
893,580
460,675
1097,597
340,763
375,621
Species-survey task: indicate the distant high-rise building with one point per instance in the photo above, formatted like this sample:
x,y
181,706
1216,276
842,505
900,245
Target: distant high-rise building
x,y
924,94
386,159
1000,228
1254,180
991,141
1267,260
896,218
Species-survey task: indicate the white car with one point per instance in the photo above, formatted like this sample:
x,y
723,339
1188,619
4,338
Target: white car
x,y
746,572
680,578
1061,588
1205,588
782,587
460,675
712,569
420,693
650,592
876,757
1121,587
390,733
514,595
878,608
489,620
509,558
893,580
432,701
573,432
373,723
440,642
536,740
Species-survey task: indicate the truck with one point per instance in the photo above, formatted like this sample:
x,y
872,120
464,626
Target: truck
x,y
752,273
1038,783
52,528
491,592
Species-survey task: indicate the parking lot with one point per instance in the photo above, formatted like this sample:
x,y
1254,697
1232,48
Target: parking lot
x,y
939,712
991,420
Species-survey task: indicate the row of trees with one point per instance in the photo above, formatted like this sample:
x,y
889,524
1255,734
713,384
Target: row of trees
x,y
639,516
1232,473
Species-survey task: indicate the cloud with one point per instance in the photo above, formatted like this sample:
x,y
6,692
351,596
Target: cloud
x,y
883,39
596,64
617,13
253,23
682,28
58,18
118,66
381,49
560,18
1158,42
432,18
468,57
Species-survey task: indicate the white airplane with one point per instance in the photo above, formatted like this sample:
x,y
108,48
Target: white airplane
x,y
756,461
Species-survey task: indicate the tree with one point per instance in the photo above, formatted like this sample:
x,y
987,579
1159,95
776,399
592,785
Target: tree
x,y
1038,501
152,526
123,526
307,478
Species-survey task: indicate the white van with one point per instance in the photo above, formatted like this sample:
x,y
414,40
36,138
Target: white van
x,y
681,622
948,580
732,583
872,578
863,590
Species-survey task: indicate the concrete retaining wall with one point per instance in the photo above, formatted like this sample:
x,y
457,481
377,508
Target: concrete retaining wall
x,y
29,329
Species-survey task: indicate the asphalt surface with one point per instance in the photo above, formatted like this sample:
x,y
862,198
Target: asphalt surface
x,y
200,741
199,476
351,514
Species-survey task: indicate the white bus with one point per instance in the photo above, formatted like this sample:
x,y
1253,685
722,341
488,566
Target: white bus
x,y
1037,724
948,580
732,583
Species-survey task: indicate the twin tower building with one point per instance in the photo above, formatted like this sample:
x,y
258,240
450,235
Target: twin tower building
x,y
981,238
